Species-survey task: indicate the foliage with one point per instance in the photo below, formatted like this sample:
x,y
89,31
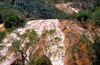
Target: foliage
x,y
88,5
57,38
11,18
13,22
32,36
15,45
44,60
43,34
2,35
51,31
76,5
7,5
82,15
37,9
68,16
1,19
44,10
93,49
96,3
24,35
30,39
6,12
18,8
96,18
28,44
96,48
97,8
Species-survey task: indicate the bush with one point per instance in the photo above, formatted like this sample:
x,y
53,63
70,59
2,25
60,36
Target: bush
x,y
96,8
37,9
13,22
96,18
7,5
40,9
2,35
15,45
6,12
68,16
82,15
96,48
18,8
12,18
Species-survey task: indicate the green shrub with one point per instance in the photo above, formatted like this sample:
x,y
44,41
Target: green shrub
x,y
93,48
32,35
44,10
68,16
13,22
43,60
82,15
51,31
96,18
96,48
96,3
18,8
7,5
37,9
15,45
2,35
97,8
6,12
57,38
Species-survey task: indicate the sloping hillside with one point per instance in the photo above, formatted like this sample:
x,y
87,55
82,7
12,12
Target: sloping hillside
x,y
53,39
58,33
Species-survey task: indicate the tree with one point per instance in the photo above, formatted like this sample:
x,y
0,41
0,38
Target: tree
x,y
82,15
13,22
96,18
96,48
96,2
16,44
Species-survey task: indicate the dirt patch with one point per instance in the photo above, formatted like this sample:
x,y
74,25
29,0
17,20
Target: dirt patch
x,y
66,8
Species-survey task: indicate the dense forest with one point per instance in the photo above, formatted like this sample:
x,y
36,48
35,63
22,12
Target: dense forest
x,y
14,14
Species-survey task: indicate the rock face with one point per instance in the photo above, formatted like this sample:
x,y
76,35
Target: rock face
x,y
66,8
56,47
74,55
1,27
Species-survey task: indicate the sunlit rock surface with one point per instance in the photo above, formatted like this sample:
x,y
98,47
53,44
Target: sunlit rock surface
x,y
67,8
58,52
1,27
